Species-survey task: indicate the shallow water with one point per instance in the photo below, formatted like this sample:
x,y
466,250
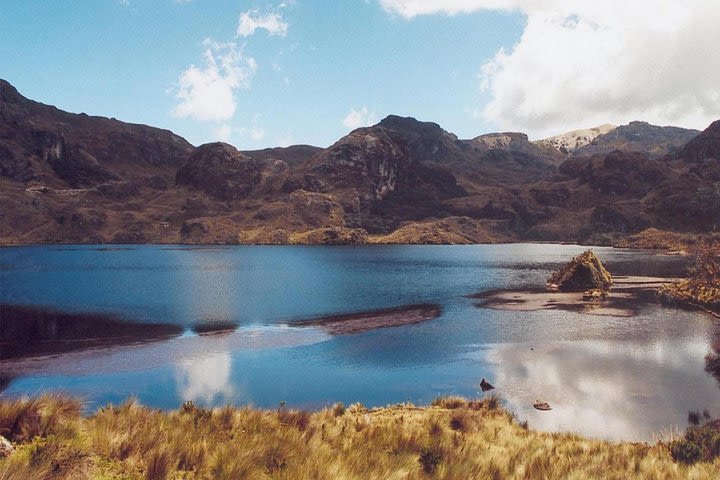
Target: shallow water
x,y
621,378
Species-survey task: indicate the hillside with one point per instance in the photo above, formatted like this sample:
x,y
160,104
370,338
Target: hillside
x,y
74,178
571,141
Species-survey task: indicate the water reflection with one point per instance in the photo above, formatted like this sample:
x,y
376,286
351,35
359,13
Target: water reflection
x,y
616,389
206,380
605,376
712,360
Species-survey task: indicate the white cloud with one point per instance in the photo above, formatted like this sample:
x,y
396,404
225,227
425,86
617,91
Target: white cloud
x,y
208,93
413,8
360,118
251,21
581,62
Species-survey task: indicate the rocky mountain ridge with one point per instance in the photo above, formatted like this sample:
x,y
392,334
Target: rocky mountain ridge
x,y
73,178
569,142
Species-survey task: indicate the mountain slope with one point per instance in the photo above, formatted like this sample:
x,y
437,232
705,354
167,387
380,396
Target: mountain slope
x,y
74,178
642,137
40,142
569,142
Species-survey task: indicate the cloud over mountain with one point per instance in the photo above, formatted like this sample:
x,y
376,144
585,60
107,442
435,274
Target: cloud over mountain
x,y
208,92
585,62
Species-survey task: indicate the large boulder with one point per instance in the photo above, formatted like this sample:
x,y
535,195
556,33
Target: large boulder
x,y
584,272
219,170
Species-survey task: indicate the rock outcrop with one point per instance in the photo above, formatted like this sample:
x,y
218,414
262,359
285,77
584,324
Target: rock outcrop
x,y
40,142
332,236
219,170
652,140
584,273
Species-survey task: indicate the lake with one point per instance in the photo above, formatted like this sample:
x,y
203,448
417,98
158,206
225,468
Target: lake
x,y
610,377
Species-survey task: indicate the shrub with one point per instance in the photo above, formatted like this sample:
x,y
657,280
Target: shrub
x,y
429,459
700,443
338,409
158,465
299,419
459,421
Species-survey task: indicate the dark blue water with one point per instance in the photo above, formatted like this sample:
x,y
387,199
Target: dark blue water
x,y
631,378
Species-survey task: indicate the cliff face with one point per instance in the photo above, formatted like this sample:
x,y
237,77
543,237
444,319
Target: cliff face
x,y
75,178
219,170
40,142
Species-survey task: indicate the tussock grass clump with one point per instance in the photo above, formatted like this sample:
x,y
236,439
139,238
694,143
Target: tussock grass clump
x,y
454,439
25,418
450,402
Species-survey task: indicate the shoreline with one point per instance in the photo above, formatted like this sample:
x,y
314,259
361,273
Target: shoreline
x,y
627,295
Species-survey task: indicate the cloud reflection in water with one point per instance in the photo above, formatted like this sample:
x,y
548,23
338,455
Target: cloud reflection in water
x,y
607,389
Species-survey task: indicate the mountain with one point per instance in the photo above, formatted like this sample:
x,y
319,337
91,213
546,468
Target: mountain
x,y
293,155
74,178
569,142
642,137
39,142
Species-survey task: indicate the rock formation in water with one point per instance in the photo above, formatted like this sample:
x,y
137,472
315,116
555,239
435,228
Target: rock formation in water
x,y
584,273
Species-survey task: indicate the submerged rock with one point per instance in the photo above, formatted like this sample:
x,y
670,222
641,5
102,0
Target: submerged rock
x,y
584,272
542,406
485,385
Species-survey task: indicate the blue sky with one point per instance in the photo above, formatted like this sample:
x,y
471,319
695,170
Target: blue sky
x,y
312,70
124,60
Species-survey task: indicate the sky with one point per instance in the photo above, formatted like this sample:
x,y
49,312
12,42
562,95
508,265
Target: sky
x,y
275,73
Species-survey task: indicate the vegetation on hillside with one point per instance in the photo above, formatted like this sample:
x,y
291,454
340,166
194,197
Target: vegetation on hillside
x,y
702,287
452,439
654,239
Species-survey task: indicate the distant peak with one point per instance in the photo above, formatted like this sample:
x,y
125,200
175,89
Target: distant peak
x,y
8,93
405,123
570,141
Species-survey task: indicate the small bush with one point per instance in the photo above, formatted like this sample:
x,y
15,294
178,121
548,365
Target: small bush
x,y
434,428
299,419
158,465
685,452
338,409
357,408
429,459
700,443
460,421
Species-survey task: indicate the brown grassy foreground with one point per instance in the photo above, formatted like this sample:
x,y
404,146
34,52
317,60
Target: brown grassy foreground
x,y
452,439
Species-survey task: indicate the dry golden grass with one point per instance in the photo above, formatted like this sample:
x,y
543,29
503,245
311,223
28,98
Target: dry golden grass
x,y
655,239
455,439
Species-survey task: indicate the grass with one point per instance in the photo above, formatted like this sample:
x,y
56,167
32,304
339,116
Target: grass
x,y
454,438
